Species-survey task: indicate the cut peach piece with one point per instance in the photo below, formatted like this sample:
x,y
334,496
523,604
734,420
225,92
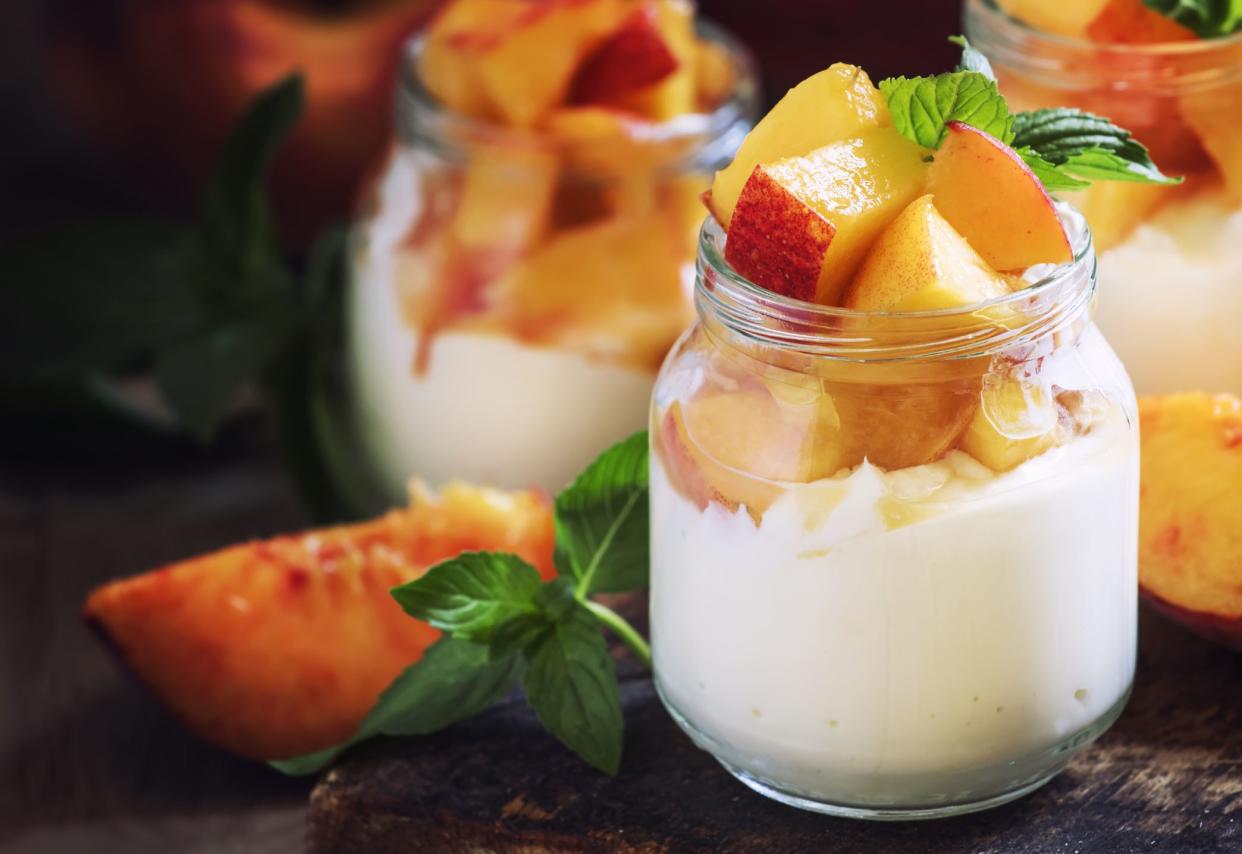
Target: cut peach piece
x,y
612,288
1016,421
1190,543
1115,208
505,201
803,225
896,426
277,648
528,70
835,104
994,200
1215,116
673,95
1132,22
447,65
713,75
920,263
742,446
636,55
1065,19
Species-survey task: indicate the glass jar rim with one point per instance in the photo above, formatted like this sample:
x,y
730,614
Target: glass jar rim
x,y
1182,64
423,117
833,332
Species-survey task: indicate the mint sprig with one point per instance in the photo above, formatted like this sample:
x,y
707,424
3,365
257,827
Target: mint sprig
x,y
504,626
1067,149
1206,18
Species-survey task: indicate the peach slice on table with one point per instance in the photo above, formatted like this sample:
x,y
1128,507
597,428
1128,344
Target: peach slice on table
x,y
1190,542
993,199
802,225
1064,19
636,55
277,648
835,104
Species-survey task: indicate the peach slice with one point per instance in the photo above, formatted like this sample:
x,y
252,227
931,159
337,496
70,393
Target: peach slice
x,y
674,94
835,104
277,648
1215,116
636,55
1190,543
735,448
995,201
1131,22
1116,208
802,225
921,263
459,30
1017,420
895,426
505,201
1065,19
713,75
528,69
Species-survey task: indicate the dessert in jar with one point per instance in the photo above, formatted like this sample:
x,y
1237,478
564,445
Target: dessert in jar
x,y
524,258
894,471
1180,91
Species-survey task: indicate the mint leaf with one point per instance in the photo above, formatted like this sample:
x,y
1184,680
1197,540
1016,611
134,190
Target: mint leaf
x,y
1086,146
1049,175
602,524
972,60
454,680
1207,18
572,687
471,595
921,106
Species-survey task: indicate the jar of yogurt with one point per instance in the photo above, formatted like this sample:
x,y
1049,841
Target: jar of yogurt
x,y
1169,257
893,555
521,267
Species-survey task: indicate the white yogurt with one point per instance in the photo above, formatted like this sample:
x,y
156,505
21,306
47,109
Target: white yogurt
x,y
839,655
1171,298
487,409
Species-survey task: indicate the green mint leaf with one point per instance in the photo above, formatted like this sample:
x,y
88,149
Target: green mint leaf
x,y
472,595
921,106
602,524
972,60
201,378
1053,179
1085,146
1207,18
521,633
571,685
454,680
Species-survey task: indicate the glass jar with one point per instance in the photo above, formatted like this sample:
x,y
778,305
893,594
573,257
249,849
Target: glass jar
x,y
1169,257
514,291
894,555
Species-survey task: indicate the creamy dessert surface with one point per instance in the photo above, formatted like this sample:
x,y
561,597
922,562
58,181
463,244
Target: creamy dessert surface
x,y
1171,297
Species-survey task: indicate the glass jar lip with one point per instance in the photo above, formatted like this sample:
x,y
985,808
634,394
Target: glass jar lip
x,y
1197,47
966,331
422,116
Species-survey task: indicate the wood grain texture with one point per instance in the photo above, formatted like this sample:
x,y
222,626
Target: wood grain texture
x,y
1166,778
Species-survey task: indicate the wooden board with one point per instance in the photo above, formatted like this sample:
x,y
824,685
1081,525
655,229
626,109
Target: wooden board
x,y
1166,778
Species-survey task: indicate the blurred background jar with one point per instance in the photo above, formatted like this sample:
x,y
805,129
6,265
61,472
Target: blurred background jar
x,y
1170,267
524,258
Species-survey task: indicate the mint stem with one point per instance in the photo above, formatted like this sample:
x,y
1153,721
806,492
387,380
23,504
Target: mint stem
x,y
622,629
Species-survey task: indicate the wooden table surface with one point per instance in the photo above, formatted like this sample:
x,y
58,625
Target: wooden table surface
x,y
89,762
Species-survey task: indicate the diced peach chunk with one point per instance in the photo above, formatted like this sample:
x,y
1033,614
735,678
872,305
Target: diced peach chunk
x,y
993,199
920,263
835,104
1115,208
459,31
896,426
506,195
802,225
1215,116
1016,421
713,74
636,55
1065,19
1132,22
673,94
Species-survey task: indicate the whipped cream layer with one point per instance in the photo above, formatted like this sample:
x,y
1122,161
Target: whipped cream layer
x,y
1171,297
904,637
